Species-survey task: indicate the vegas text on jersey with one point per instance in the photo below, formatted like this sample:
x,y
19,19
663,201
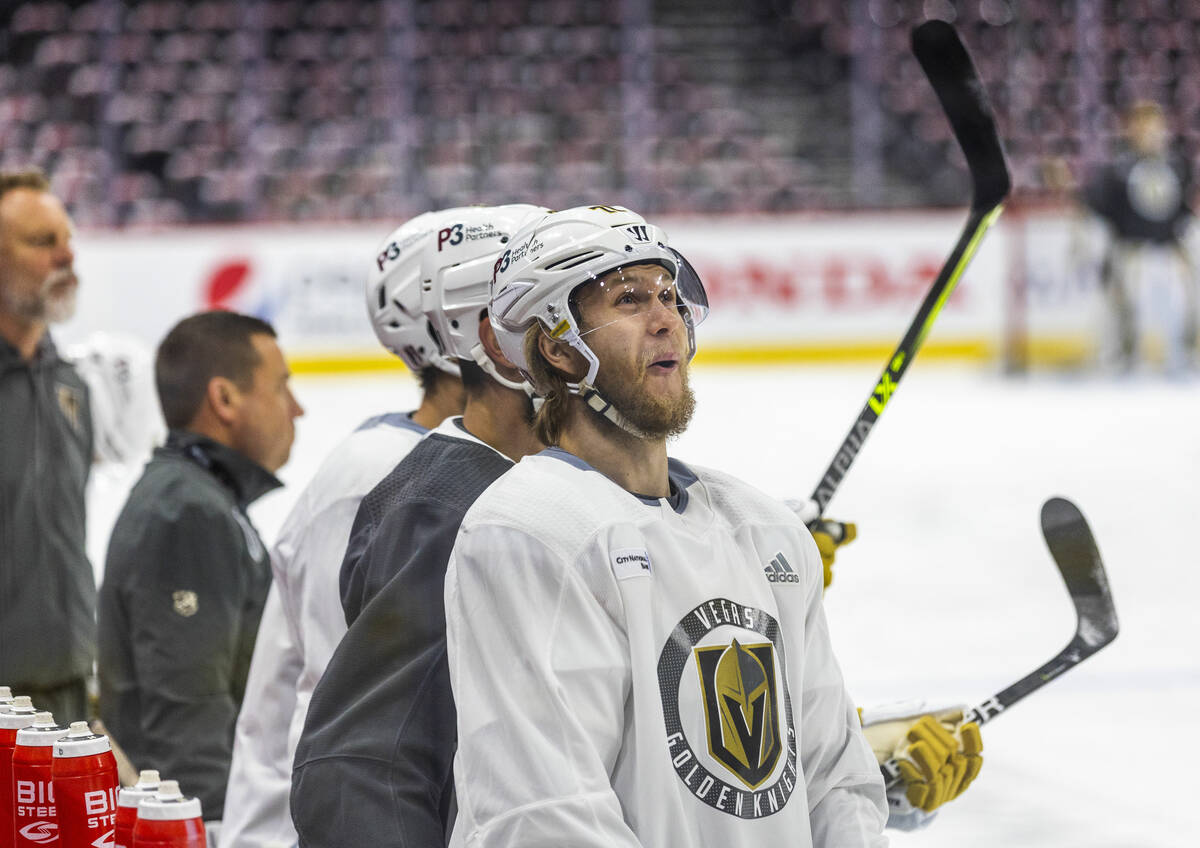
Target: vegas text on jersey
x,y
728,712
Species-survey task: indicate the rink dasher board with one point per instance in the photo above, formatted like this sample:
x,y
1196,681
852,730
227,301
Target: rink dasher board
x,y
785,288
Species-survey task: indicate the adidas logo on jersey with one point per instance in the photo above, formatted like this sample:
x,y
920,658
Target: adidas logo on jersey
x,y
779,570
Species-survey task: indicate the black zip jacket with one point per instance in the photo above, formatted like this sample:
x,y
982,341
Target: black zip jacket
x,y
47,591
184,586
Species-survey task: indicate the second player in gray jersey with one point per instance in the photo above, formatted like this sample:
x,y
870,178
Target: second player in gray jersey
x,y
303,620
373,763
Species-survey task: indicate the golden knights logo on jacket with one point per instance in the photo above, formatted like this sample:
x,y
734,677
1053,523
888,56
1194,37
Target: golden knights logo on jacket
x,y
727,709
70,404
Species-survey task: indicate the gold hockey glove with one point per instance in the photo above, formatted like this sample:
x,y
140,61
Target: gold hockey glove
x,y
939,756
829,536
940,761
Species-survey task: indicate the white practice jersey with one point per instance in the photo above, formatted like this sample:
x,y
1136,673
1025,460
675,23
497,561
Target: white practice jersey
x,y
652,672
301,626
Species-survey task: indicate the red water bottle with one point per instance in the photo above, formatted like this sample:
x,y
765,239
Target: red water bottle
x,y
128,800
16,715
168,820
85,788
35,819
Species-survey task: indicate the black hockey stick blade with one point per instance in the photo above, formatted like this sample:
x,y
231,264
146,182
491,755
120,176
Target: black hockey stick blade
x,y
945,61
1074,551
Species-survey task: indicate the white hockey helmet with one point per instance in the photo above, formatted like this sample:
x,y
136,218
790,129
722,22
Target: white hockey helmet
x,y
126,420
552,256
457,269
394,293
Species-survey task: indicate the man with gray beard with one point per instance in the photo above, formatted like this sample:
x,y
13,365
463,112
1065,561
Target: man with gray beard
x,y
47,591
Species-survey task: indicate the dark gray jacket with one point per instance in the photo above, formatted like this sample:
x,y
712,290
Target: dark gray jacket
x,y
47,591
380,728
184,587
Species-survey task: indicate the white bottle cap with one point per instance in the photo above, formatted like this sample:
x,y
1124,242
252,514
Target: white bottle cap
x,y
168,804
148,779
80,741
42,733
18,714
147,785
168,790
5,694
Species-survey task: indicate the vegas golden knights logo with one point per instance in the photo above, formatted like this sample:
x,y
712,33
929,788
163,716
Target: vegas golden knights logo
x,y
741,708
727,712
70,403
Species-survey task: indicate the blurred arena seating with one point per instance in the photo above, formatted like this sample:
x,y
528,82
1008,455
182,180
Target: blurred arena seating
x,y
165,111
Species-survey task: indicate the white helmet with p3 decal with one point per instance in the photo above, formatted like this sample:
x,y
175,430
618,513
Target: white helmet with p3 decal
x,y
394,302
552,256
457,272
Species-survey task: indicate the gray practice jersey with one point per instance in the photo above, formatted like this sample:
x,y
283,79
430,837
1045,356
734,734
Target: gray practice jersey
x,y
380,728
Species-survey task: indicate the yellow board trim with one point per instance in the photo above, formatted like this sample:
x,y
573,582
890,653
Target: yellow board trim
x,y
345,363
1040,350
714,354
966,349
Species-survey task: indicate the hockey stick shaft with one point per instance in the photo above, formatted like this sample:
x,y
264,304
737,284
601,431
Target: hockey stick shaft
x,y
897,364
985,711
948,66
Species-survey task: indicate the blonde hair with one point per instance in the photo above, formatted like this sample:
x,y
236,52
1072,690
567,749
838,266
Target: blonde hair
x,y
551,384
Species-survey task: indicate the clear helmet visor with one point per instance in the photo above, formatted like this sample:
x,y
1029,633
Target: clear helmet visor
x,y
657,280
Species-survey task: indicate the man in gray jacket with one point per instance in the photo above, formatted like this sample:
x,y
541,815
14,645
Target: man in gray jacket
x,y
187,575
47,592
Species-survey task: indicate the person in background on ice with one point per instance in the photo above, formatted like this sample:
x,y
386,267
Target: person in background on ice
x,y
187,575
48,603
1143,198
380,727
303,620
625,672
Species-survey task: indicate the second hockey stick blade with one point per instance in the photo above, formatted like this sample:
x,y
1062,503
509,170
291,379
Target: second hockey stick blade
x,y
1078,560
945,61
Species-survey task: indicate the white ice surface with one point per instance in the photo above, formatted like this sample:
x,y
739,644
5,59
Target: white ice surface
x,y
949,591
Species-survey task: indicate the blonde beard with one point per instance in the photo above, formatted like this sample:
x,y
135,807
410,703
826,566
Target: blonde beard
x,y
654,417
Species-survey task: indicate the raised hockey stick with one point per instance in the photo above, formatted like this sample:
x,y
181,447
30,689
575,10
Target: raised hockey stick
x,y
1074,550
945,61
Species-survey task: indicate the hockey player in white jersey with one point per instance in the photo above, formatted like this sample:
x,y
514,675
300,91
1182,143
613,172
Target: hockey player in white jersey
x,y
127,423
637,646
303,620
